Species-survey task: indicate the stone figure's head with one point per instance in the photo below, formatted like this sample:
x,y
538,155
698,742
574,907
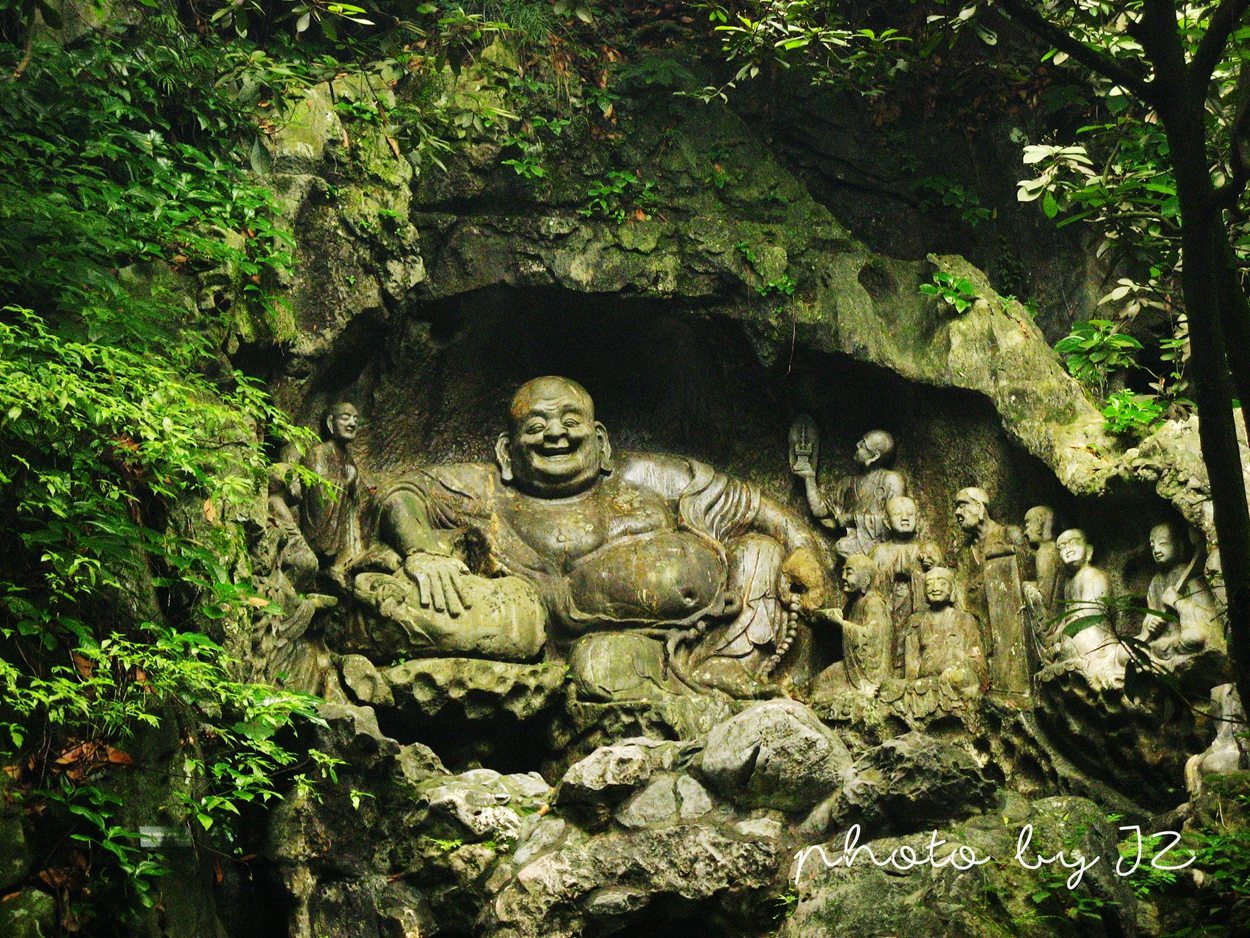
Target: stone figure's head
x,y
1039,524
342,422
857,574
554,447
900,511
972,506
930,556
939,585
877,446
1074,548
1167,543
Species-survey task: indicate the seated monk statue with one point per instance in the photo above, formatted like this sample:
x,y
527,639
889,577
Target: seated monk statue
x,y
867,635
1179,588
1095,648
943,641
655,574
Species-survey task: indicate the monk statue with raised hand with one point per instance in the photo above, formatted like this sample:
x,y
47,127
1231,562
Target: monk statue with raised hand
x,y
857,503
866,634
656,575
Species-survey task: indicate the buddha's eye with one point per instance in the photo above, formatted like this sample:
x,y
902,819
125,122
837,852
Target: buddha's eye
x,y
571,422
535,426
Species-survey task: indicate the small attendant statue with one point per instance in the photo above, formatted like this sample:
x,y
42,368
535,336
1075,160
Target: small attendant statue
x,y
331,511
856,503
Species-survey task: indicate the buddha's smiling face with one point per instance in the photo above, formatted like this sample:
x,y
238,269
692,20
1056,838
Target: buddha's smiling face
x,y
557,448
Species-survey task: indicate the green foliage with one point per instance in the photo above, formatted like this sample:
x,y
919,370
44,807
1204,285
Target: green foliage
x,y
126,444
584,10
529,141
613,195
1126,412
956,292
1096,348
102,165
446,846
785,903
1146,880
766,36
937,193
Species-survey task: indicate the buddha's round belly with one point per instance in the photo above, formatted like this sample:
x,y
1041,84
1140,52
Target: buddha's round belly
x,y
665,577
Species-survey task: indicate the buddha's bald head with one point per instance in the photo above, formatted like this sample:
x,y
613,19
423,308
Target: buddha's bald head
x,y
545,388
554,447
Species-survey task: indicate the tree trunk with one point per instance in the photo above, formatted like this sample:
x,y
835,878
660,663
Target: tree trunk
x,y
1203,238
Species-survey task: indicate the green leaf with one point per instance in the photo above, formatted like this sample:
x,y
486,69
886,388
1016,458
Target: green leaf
x,y
1049,205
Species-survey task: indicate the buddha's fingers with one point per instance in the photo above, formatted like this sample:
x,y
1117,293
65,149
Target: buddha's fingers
x,y
462,594
451,592
436,593
423,587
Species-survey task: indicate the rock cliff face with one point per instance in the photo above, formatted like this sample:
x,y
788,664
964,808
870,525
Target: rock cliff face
x,y
669,263
714,252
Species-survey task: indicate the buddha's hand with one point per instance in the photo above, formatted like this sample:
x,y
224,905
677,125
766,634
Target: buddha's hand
x,y
803,579
439,581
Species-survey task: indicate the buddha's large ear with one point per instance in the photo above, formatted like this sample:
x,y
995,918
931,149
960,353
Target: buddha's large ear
x,y
605,448
503,457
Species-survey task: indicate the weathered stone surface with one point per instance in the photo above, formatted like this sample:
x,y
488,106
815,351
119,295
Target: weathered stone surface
x,y
611,772
695,801
482,688
15,855
353,732
418,762
598,884
992,899
911,783
776,754
654,805
365,682
28,914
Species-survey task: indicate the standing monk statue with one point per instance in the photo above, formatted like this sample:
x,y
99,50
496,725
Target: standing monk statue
x,y
656,574
856,503
331,511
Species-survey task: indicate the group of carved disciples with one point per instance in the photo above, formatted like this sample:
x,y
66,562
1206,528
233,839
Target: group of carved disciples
x,y
1013,605
655,575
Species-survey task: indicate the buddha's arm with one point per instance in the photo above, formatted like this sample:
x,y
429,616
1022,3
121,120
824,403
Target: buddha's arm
x,y
406,527
802,567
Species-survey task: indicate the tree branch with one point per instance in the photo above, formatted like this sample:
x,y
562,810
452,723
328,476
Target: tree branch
x,y
1228,194
1211,47
1106,65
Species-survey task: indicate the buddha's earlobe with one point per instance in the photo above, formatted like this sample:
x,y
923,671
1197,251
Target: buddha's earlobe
x,y
605,448
503,457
